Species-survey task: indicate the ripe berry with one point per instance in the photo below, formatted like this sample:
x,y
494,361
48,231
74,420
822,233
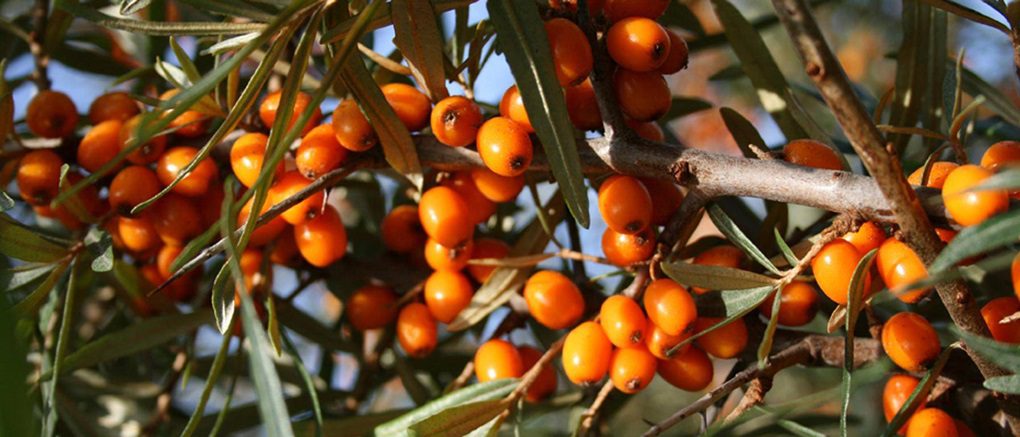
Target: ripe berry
x,y
996,310
666,198
290,184
677,58
571,53
972,207
625,204
188,124
811,153
720,256
416,330
323,239
195,183
649,130
910,341
251,267
447,293
897,390
319,152
455,121
497,359
1014,271
833,268
617,10
796,304
440,257
690,370
271,104
1001,154
480,208
145,153
100,145
504,146
868,237
623,321
284,249
131,186
727,341
642,96
486,248
371,307
495,187
351,128
39,176
624,250
931,422
586,354
899,265
553,299
411,106
631,369
51,114
660,343
247,155
638,44
936,176
176,219
512,106
401,230
113,106
444,216
266,232
582,106
670,306
138,233
545,384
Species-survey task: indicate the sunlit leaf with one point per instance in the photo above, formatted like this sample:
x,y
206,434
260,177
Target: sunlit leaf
x,y
737,237
460,420
165,28
421,43
996,232
210,383
1003,354
856,297
714,277
480,392
100,245
20,242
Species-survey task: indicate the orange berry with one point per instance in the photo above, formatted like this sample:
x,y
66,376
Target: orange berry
x,y
271,104
247,156
660,343
638,44
288,185
670,306
1014,271
972,207
996,310
553,299
138,233
897,390
545,384
642,96
188,124
371,307
625,204
504,146
114,105
210,206
132,185
571,53
617,10
440,257
899,265
401,230
495,187
583,106
727,341
251,266
512,106
666,199
797,304
936,177
100,145
165,258
61,214
623,321
648,130
266,232
455,121
412,106
624,249
416,330
677,58
631,369
351,128
720,256
867,238
1001,154
319,152
931,422
586,354
910,341
690,370
445,216
447,292
497,359
323,239
833,268
51,114
284,249
145,153
176,219
811,153
480,208
195,183
39,176
486,248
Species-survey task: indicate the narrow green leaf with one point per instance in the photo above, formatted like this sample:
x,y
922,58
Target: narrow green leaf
x,y
996,232
20,242
100,245
853,311
17,403
1003,354
521,35
682,106
231,8
308,327
960,10
165,28
997,101
187,65
460,420
1008,179
5,201
784,248
415,389
273,327
210,383
1004,384
420,41
60,351
485,391
680,15
743,131
765,348
13,279
29,306
382,17
729,303
798,429
737,237
714,277
306,377
129,7
919,394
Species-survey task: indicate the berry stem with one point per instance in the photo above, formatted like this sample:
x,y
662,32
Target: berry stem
x,y
37,44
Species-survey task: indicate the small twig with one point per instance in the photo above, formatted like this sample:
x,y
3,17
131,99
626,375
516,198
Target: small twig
x,y
532,374
753,396
589,415
384,62
37,44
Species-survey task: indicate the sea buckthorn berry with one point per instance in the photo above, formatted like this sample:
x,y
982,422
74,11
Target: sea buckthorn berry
x,y
545,384
447,293
643,96
866,238
289,184
690,370
445,217
811,153
145,153
797,304
504,146
371,307
997,309
678,55
411,106
319,152
440,257
51,114
416,330
86,202
495,187
284,249
648,130
266,232
897,390
251,267
834,267
480,208
271,104
1001,154
351,128
936,176
553,299
670,306
583,106
972,207
638,44
512,106
195,183
720,256
617,10
666,199
1014,272
623,321
625,204
910,341
131,186
401,230
899,265
323,239
455,121
100,145
138,233
113,106
210,205
497,359
631,369
486,248
571,53
176,219
39,176
586,354
247,155
727,341
165,258
626,249
188,124
931,422
660,343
